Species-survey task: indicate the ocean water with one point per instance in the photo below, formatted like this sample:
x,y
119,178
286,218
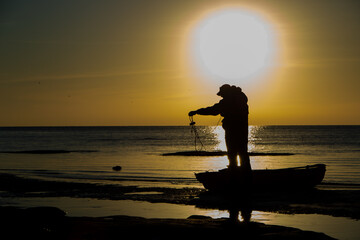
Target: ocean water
x,y
87,154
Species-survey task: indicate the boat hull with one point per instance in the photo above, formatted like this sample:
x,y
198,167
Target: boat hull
x,y
284,179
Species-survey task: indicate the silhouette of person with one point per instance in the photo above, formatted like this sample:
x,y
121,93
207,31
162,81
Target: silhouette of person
x,y
233,107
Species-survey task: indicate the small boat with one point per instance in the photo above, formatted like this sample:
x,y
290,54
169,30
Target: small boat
x,y
285,179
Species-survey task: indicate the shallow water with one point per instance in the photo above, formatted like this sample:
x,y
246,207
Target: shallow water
x,y
89,153
337,227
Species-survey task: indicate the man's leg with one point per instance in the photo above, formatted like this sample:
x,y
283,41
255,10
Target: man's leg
x,y
231,149
242,147
244,158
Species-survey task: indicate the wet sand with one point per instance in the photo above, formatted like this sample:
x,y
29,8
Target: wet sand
x,y
51,223
344,203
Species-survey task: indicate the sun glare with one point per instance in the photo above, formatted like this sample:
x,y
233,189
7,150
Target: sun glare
x,y
232,45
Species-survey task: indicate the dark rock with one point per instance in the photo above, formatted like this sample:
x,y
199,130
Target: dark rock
x,y
36,222
45,213
117,168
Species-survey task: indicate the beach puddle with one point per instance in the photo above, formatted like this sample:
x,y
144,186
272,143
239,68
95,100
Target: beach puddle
x,y
89,207
337,227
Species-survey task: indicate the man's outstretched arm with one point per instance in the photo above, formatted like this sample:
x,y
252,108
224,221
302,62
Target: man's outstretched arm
x,y
213,110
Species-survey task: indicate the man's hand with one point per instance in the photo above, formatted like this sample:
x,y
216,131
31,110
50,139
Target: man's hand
x,y
192,113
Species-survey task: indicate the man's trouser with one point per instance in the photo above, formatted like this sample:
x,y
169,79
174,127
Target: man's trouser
x,y
236,139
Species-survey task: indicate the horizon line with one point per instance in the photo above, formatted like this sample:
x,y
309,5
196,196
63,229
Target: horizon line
x,y
33,126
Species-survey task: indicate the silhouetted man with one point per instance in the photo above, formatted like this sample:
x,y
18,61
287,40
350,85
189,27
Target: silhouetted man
x,y
233,107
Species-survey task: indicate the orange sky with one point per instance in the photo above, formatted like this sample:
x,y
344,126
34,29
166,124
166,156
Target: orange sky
x,y
69,63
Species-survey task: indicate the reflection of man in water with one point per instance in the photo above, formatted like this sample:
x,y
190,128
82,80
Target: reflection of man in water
x,y
233,107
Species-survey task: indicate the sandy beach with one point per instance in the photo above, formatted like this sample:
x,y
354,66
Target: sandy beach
x,y
48,221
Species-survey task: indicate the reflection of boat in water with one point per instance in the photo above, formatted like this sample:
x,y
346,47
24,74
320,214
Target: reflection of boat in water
x,y
284,179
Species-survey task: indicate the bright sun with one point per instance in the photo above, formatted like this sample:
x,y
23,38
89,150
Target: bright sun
x,y
232,45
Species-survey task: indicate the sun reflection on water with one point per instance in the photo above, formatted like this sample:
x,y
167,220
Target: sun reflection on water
x,y
254,137
263,140
219,134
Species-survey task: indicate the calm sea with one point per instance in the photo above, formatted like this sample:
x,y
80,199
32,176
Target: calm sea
x,y
87,154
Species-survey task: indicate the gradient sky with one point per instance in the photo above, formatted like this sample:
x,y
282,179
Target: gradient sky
x,y
71,62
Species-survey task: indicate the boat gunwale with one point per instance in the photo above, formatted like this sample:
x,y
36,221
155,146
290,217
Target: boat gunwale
x,y
300,177
302,168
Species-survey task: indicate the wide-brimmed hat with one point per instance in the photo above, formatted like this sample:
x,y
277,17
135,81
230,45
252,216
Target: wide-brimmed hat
x,y
223,89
